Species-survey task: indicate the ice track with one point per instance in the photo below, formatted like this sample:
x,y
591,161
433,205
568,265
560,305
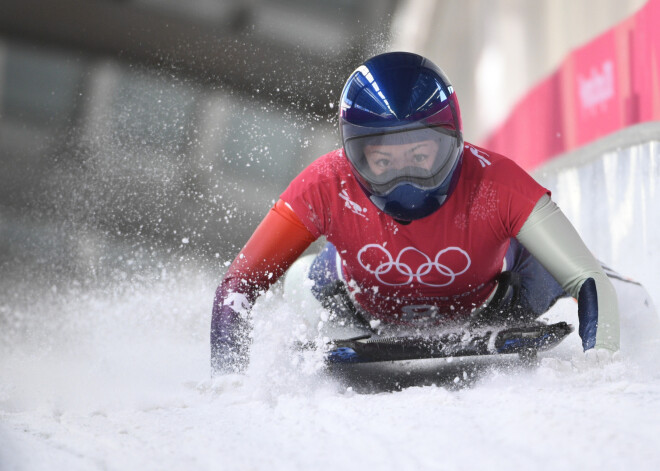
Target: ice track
x,y
118,380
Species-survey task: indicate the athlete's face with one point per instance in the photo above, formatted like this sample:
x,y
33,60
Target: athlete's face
x,y
382,158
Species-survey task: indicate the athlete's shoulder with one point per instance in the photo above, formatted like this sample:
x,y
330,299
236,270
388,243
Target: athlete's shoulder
x,y
488,164
483,158
323,175
329,165
487,169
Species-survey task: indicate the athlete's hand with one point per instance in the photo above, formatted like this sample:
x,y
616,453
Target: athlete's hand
x,y
230,340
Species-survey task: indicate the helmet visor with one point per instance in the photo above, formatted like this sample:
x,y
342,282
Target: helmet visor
x,y
422,157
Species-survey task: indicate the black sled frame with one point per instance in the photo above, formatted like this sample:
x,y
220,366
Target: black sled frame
x,y
525,341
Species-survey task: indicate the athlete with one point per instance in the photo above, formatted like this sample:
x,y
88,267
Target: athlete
x,y
422,228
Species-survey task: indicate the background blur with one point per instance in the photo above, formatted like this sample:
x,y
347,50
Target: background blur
x,y
138,135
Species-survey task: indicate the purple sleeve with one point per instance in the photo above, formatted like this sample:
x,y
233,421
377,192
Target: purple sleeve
x,y
276,243
230,325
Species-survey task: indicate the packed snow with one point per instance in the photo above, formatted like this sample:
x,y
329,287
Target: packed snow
x,y
119,379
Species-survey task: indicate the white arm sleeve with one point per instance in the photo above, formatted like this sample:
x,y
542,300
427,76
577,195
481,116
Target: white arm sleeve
x,y
553,241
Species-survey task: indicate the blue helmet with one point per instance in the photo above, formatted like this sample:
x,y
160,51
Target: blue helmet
x,y
401,130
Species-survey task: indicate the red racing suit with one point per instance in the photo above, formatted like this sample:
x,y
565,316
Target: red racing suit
x,y
449,260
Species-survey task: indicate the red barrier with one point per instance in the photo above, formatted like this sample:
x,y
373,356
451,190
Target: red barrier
x,y
534,128
608,84
645,58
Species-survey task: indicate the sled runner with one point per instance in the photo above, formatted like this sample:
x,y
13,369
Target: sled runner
x,y
525,341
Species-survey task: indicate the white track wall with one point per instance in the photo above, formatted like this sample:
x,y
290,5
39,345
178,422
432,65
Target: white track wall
x,y
610,190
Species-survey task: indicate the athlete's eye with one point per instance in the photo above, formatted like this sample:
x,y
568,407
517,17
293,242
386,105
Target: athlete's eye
x,y
420,158
382,163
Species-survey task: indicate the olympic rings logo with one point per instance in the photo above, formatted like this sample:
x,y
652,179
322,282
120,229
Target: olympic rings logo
x,y
420,274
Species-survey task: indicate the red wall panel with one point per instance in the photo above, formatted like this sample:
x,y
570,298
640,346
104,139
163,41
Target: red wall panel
x,y
608,84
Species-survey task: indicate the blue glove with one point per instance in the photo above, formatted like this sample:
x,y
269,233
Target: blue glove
x,y
588,314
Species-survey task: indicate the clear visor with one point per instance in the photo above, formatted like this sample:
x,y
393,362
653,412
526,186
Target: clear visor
x,y
422,157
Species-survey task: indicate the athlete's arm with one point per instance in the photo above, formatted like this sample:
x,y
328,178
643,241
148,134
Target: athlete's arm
x,y
276,243
553,241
